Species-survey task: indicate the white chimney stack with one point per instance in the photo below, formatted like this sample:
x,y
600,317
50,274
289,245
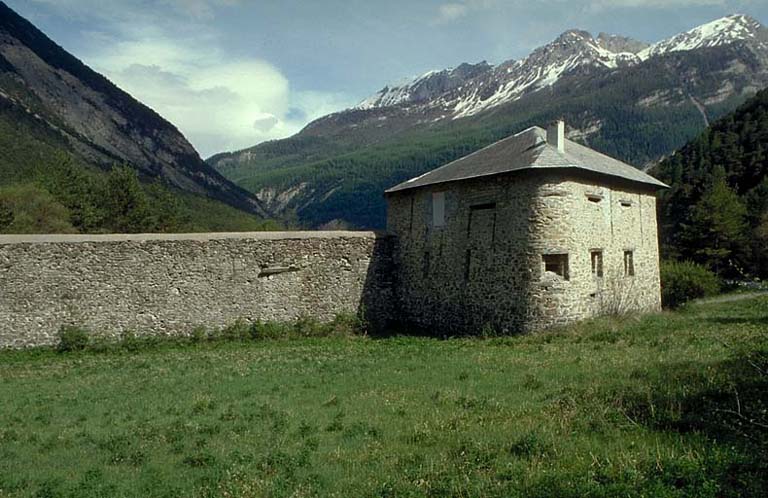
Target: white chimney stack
x,y
556,135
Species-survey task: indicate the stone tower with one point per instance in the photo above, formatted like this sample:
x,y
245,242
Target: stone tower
x,y
532,231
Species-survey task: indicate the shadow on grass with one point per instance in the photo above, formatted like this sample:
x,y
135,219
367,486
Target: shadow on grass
x,y
727,402
731,320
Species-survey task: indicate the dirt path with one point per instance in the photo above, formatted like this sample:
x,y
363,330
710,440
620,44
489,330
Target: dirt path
x,y
731,297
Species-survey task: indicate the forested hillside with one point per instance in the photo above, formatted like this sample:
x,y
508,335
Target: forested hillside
x,y
45,188
716,212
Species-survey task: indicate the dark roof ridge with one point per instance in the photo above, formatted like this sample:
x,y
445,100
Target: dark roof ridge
x,y
523,151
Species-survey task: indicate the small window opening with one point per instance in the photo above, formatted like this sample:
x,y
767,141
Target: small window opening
x,y
629,263
487,205
597,263
596,198
556,263
625,203
438,209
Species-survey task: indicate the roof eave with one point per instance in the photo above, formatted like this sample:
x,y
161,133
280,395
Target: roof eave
x,y
655,183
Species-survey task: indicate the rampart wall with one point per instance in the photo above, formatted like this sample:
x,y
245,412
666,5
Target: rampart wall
x,y
171,283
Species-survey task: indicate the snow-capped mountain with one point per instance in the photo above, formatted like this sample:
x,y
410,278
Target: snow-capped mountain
x,y
571,51
470,89
426,86
724,31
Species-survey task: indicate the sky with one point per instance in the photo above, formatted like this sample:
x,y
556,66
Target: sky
x,y
233,73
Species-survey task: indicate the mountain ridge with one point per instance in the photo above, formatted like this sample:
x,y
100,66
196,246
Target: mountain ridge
x,y
571,49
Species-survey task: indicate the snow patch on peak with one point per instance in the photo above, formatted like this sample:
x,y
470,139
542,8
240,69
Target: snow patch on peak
x,y
472,88
427,87
723,31
396,93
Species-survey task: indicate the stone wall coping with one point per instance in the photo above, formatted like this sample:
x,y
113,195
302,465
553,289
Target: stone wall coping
x,y
202,237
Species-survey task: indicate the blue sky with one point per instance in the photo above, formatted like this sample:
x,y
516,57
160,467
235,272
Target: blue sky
x,y
232,73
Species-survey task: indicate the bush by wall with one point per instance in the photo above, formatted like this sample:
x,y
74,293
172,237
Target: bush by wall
x,y
682,281
72,338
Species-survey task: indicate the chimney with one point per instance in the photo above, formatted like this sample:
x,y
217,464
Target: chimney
x,y
556,135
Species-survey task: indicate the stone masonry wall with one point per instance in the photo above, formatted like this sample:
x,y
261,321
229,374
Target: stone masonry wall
x,y
168,284
485,266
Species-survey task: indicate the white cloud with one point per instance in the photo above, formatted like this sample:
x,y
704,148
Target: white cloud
x,y
175,65
134,9
601,5
449,12
456,10
219,102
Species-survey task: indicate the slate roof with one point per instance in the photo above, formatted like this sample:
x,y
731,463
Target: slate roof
x,y
528,150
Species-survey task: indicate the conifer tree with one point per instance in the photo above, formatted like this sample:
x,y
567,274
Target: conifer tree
x,y
717,223
126,205
6,215
78,191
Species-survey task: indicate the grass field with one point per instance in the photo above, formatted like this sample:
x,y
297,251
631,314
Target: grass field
x,y
666,405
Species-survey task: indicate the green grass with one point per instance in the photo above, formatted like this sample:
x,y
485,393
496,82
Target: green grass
x,y
611,407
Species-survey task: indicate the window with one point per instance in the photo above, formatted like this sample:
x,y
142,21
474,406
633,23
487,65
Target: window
x,y
438,209
625,203
629,263
596,198
597,262
479,207
481,223
556,263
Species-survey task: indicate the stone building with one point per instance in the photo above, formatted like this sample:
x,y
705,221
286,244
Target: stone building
x,y
532,231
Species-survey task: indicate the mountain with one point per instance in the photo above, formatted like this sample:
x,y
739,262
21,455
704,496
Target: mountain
x,y
731,29
631,100
716,211
69,108
485,86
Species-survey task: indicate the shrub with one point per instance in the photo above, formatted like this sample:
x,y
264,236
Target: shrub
x,y
6,215
27,208
307,326
682,281
72,338
347,324
198,334
238,331
270,330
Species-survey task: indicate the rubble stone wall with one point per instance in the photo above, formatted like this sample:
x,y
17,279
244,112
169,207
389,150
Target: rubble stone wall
x,y
485,267
168,284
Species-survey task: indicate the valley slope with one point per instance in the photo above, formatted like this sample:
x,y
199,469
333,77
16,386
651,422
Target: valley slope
x,y
55,106
716,212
